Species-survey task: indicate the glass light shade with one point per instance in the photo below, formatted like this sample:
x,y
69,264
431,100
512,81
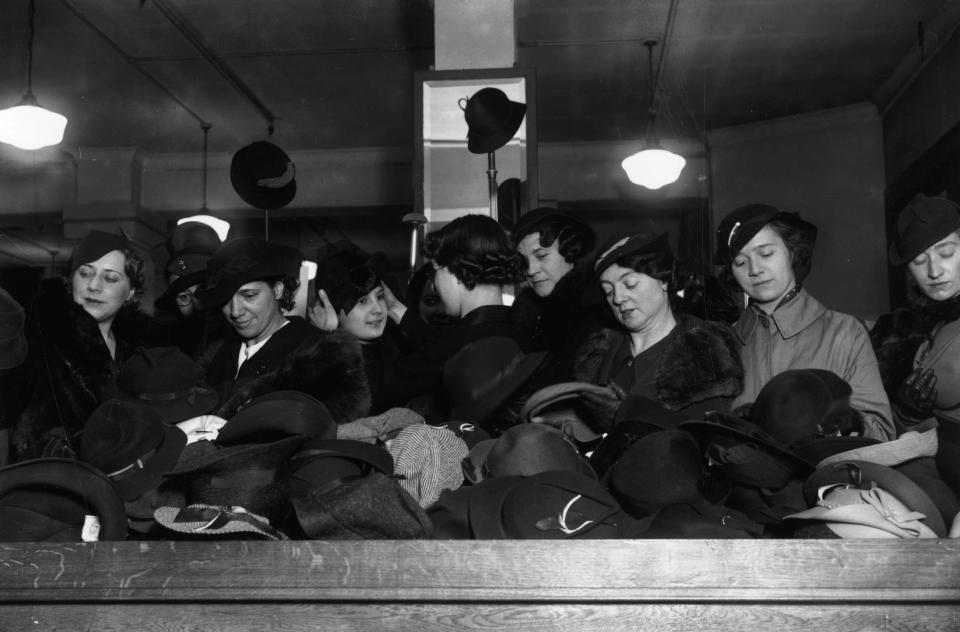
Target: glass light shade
x,y
653,168
221,227
29,126
311,269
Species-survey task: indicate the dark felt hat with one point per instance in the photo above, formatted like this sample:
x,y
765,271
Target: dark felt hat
x,y
639,244
539,219
374,507
484,374
49,500
244,260
524,450
13,344
323,464
864,475
342,267
263,175
132,445
277,415
193,238
800,404
922,223
492,120
545,506
743,223
95,244
166,380
190,246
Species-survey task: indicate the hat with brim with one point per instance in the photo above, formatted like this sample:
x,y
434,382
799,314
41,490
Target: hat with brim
x,y
492,120
50,499
545,506
166,380
864,475
13,344
906,447
325,463
524,450
853,512
245,260
213,520
743,223
183,271
554,394
278,415
922,223
263,175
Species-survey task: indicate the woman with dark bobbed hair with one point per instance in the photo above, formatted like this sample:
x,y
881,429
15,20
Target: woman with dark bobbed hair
x,y
660,358
79,334
769,253
555,245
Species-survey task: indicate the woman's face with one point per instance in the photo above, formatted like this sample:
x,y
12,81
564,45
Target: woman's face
x,y
368,318
636,299
764,268
431,307
937,269
253,310
545,265
101,287
187,301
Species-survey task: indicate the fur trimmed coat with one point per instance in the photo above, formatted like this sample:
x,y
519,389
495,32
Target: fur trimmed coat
x,y
684,378
69,371
326,365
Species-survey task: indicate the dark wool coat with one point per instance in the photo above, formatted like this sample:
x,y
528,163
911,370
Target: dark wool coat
x,y
327,365
702,363
69,371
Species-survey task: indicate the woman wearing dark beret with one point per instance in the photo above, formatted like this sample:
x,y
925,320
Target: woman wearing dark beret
x,y
78,339
783,327
252,282
678,362
555,245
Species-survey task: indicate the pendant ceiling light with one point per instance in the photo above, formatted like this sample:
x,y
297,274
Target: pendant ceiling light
x,y
221,227
27,125
653,167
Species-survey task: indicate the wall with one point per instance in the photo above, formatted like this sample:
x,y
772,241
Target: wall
x,y
829,167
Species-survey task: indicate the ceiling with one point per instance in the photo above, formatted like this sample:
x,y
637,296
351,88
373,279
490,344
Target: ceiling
x,y
339,73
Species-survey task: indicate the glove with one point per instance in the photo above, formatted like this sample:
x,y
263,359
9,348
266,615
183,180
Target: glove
x,y
916,396
379,427
602,407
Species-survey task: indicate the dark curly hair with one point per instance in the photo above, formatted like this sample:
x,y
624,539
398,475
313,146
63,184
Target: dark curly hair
x,y
574,238
799,238
290,287
659,265
476,251
133,267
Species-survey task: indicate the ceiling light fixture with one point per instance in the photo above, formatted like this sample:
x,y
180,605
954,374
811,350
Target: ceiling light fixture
x,y
27,125
221,227
653,167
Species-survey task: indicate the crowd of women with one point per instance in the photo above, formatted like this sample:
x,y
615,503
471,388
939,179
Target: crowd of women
x,y
602,403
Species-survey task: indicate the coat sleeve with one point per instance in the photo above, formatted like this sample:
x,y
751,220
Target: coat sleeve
x,y
869,397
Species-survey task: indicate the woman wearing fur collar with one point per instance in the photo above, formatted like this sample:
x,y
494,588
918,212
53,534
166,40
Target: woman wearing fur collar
x,y
681,363
78,341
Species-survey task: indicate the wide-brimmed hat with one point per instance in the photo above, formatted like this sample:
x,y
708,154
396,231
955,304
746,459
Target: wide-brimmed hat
x,y
524,450
13,344
923,222
547,506
374,507
323,464
244,260
906,447
852,512
263,175
743,223
216,520
132,445
492,119
428,460
95,244
277,415
166,380
865,476
59,500
483,375
190,245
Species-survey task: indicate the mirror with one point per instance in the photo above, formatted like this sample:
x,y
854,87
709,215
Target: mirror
x,y
450,181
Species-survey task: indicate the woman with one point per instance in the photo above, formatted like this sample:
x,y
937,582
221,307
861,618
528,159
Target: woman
x,y
783,327
422,296
555,245
678,362
252,282
78,340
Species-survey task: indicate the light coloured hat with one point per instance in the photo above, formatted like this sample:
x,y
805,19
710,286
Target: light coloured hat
x,y
202,519
908,446
429,458
851,512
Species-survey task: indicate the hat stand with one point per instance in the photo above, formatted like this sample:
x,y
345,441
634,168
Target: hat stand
x,y
492,179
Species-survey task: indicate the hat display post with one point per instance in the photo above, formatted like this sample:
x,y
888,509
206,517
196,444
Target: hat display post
x,y
415,221
264,176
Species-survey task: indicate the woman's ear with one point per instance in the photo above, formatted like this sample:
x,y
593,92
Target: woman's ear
x,y
278,290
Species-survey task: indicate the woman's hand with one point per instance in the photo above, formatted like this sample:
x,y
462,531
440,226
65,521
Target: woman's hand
x,y
395,308
322,315
917,394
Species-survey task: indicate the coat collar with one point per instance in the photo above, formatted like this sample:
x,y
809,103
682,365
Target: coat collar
x,y
789,319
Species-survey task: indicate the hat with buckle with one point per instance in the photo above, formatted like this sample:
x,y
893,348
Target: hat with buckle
x,y
166,380
132,445
59,500
492,119
922,223
13,344
743,223
191,245
263,175
244,260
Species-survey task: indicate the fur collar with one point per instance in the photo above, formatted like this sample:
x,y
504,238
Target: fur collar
x,y
686,379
